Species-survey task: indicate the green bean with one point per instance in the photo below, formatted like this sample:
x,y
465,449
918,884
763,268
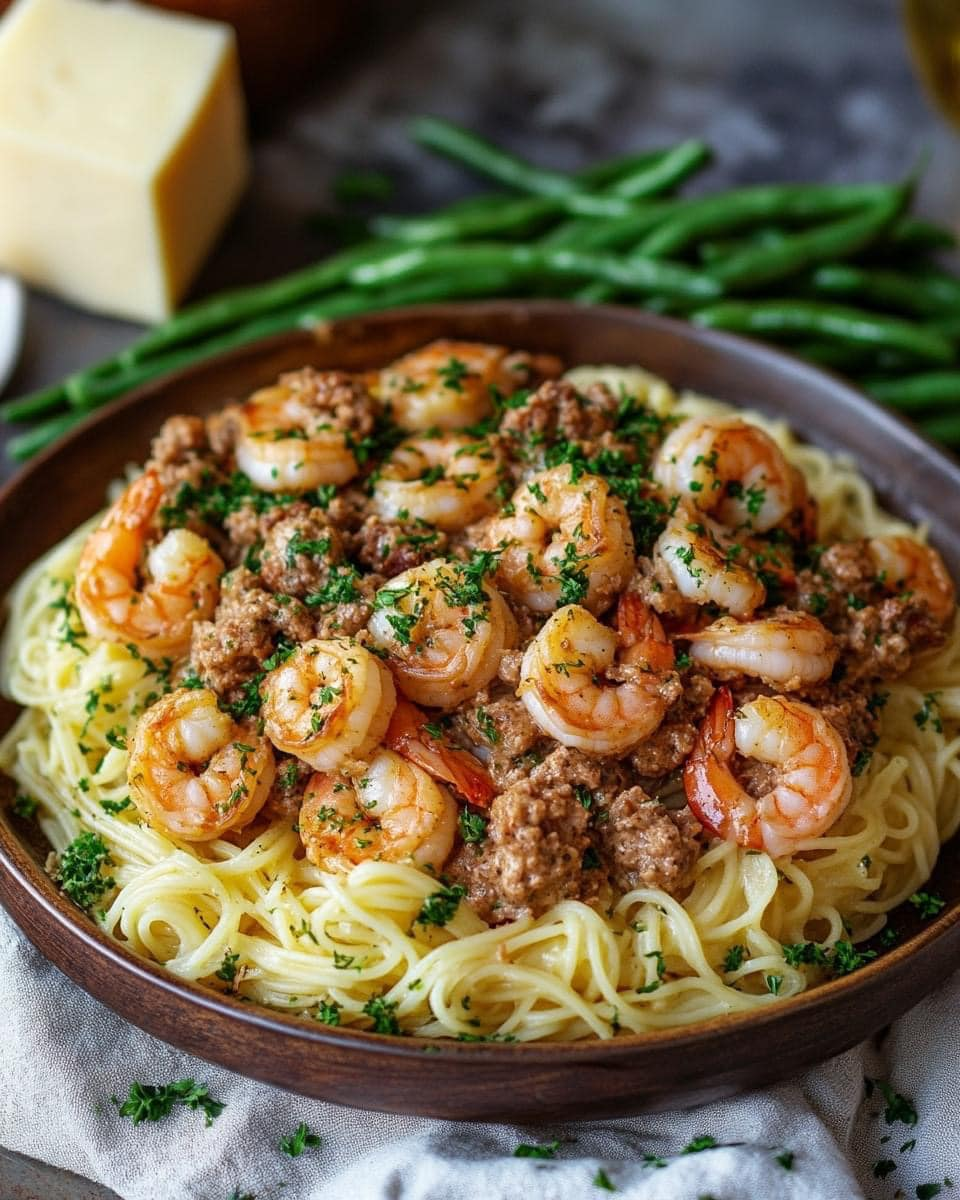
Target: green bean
x,y
596,292
636,275
30,442
801,318
230,308
759,265
713,250
35,404
87,391
654,173
521,216
611,234
453,141
667,172
922,295
710,216
914,233
943,429
914,393
852,360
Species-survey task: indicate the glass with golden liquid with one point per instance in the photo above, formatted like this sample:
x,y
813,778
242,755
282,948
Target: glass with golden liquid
x,y
933,31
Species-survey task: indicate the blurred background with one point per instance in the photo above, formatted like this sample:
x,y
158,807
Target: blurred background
x,y
822,90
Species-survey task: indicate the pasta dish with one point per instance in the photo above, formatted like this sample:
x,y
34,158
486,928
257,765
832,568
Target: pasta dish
x,y
472,697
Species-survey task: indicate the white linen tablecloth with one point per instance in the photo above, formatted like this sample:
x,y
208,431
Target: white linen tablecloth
x,y
63,1055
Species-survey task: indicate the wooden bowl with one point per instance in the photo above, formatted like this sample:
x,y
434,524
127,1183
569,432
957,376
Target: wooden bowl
x,y
540,1082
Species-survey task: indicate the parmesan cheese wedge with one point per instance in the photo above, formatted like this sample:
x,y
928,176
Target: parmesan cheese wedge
x,y
122,150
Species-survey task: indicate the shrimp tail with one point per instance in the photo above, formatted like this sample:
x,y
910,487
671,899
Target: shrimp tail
x,y
642,635
713,794
406,735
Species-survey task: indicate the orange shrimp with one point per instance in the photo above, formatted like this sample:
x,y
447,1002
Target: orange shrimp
x,y
813,783
642,636
408,736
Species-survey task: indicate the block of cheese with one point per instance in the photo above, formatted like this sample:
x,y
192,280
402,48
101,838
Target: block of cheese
x,y
122,150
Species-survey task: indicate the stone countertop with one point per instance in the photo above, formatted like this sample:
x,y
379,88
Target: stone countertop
x,y
813,91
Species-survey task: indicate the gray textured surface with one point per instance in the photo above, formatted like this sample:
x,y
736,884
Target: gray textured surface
x,y
817,90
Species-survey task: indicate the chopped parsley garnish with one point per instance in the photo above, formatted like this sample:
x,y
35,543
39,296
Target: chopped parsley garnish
x,y
877,701
68,634
537,492
574,583
298,544
785,1158
804,952
590,860
383,1014
298,1141
927,904
441,906
929,712
774,983
25,806
117,737
148,1102
883,1168
453,373
584,795
115,806
346,962
841,959
703,1142
734,958
473,827
846,958
403,625
889,936
80,873
227,971
545,1150
602,1180
861,762
328,1012
340,588
487,727
897,1106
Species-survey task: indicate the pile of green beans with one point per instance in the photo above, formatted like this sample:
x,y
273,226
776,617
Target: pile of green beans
x,y
842,274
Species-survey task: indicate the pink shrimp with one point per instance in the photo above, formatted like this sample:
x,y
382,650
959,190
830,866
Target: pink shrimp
x,y
813,783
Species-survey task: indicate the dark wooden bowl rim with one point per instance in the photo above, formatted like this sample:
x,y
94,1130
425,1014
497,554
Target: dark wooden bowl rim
x,y
576,1079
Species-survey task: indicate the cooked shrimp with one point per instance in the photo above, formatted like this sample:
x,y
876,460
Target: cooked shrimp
x,y
906,565
447,384
731,469
576,691
409,733
813,784
703,568
395,811
330,702
181,576
285,444
568,538
443,627
791,650
193,771
448,480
